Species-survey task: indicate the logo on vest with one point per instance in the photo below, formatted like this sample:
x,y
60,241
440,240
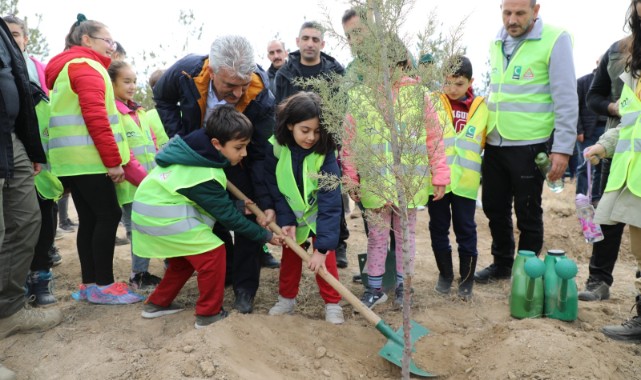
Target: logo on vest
x,y
471,130
164,176
528,74
517,72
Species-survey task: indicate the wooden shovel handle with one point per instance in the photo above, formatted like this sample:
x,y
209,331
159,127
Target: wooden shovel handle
x,y
372,317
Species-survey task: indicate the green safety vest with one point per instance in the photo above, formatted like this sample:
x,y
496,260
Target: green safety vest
x,y
626,163
141,143
71,148
371,131
520,104
463,150
47,184
157,127
305,208
165,223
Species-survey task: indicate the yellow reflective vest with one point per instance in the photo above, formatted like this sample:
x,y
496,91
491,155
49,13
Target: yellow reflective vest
x,y
304,206
463,149
142,146
520,104
71,148
626,163
165,223
159,130
47,184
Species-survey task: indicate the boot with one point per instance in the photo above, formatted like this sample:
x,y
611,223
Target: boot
x,y
341,255
467,267
630,330
446,273
38,283
28,320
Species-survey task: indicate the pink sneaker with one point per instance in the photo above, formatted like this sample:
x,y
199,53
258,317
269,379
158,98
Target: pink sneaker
x,y
117,293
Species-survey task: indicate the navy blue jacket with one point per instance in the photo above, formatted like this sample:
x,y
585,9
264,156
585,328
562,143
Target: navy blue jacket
x,y
181,100
329,202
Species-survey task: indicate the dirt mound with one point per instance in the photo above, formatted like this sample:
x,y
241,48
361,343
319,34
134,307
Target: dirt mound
x,y
474,340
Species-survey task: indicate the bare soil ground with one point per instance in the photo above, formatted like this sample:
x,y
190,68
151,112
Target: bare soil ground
x,y
468,340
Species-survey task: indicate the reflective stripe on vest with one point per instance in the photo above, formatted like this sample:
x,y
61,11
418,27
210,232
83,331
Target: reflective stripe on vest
x,y
47,184
463,149
71,148
626,163
304,206
167,224
520,104
142,146
379,179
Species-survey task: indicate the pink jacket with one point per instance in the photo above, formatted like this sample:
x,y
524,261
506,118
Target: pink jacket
x,y
40,68
434,141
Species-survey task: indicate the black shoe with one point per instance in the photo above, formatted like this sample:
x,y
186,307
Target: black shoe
x,y
122,241
595,290
244,302
446,272
341,255
357,278
628,331
54,254
267,260
493,273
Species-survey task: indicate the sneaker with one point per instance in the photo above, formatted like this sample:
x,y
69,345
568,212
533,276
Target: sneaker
x,y
144,281
28,320
117,293
206,320
122,241
398,296
80,294
283,306
372,297
150,310
70,222
66,227
492,273
334,313
54,254
6,373
595,290
628,331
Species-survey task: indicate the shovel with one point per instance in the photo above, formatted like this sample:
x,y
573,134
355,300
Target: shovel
x,y
393,349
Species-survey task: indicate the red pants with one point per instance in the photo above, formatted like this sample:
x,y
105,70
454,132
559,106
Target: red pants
x,y
291,268
211,280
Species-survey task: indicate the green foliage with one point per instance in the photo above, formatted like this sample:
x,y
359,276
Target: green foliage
x,y
37,45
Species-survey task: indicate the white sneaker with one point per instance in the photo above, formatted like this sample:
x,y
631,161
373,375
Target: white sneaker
x,y
334,313
283,306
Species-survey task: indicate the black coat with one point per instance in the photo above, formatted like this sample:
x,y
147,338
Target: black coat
x,y
26,124
588,120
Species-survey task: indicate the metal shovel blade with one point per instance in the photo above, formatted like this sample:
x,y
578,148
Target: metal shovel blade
x,y
392,351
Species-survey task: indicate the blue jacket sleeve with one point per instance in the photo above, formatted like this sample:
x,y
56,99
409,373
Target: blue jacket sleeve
x,y
329,209
284,214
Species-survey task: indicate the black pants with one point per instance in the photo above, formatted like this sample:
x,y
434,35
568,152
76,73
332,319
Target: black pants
x,y
606,251
94,196
510,176
49,212
459,212
243,254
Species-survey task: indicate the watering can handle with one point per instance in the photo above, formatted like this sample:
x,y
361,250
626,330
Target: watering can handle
x,y
372,317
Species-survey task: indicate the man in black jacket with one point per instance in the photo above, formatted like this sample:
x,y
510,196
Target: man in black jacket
x,y
277,55
20,154
310,62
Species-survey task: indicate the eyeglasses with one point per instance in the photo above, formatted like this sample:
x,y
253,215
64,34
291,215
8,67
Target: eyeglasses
x,y
109,42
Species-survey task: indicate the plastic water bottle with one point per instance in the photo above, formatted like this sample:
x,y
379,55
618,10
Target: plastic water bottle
x,y
544,164
585,211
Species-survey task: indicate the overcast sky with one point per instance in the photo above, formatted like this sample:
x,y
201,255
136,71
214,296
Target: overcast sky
x,y
145,24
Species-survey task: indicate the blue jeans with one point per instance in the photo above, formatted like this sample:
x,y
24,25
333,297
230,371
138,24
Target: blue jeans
x,y
582,171
138,264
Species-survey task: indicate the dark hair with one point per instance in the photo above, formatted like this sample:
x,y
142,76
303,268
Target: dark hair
x,y
13,19
313,25
115,67
297,108
460,66
633,64
226,123
359,11
82,27
155,77
120,50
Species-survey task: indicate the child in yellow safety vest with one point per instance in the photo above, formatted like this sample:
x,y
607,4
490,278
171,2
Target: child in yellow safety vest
x,y
302,150
465,123
142,151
